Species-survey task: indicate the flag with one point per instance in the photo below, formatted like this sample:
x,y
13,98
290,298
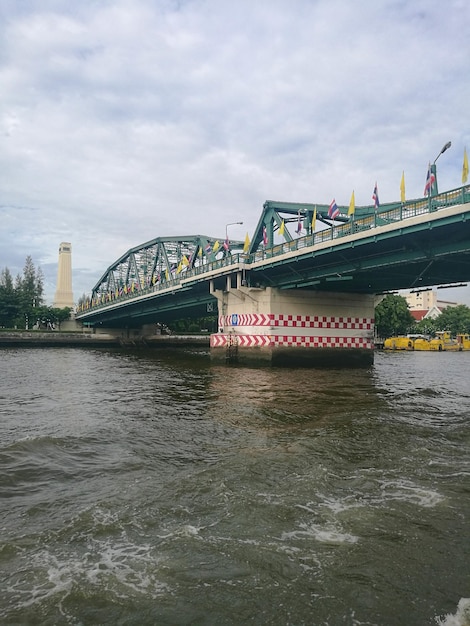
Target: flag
x,y
265,236
282,228
314,219
167,274
226,244
402,187
246,245
185,260
375,197
216,246
465,166
208,248
298,230
430,178
352,205
333,210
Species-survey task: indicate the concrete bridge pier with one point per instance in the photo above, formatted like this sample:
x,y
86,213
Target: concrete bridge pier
x,y
292,327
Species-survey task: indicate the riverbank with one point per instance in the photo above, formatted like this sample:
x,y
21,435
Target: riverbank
x,y
69,339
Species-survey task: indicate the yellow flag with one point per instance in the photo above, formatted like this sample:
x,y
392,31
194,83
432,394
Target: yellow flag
x,y
465,167
282,228
402,187
216,247
314,219
352,205
184,260
246,245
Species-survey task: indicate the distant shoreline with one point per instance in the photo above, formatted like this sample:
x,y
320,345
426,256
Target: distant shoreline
x,y
44,339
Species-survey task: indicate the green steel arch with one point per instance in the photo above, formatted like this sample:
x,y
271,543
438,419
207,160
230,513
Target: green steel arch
x,y
160,261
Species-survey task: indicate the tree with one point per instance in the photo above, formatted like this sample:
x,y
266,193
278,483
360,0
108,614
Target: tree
x,y
19,301
455,319
392,316
426,326
30,293
48,316
59,315
9,306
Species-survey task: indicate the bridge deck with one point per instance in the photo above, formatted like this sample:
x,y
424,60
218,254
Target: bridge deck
x,y
420,243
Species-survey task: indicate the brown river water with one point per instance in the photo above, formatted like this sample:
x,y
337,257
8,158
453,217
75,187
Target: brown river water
x,y
157,488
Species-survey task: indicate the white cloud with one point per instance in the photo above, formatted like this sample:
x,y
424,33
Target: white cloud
x,y
122,121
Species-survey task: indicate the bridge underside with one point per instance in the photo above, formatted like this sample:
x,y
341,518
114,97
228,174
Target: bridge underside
x,y
163,309
418,257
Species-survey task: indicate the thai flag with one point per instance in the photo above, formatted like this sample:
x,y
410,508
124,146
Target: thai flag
x,y
208,248
430,180
265,236
299,225
333,210
375,197
226,245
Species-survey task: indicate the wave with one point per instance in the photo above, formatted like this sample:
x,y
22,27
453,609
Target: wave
x,y
460,618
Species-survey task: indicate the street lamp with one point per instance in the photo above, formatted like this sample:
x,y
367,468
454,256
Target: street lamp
x,y
446,147
434,190
226,232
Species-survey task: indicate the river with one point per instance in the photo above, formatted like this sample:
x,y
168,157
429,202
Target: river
x,y
156,488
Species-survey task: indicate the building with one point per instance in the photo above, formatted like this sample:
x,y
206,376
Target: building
x,y
64,294
424,304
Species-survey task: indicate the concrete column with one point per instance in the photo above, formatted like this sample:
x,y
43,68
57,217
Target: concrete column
x,y
296,327
64,294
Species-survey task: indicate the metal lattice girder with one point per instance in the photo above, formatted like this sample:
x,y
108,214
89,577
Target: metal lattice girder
x,y
158,261
277,215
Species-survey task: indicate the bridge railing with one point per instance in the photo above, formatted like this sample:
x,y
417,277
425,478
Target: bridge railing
x,y
396,213
168,284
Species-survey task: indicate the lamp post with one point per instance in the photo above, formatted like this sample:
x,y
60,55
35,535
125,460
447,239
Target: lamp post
x,y
226,233
434,190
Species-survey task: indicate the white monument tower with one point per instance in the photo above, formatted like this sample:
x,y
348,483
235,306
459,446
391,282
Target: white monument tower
x,y
64,294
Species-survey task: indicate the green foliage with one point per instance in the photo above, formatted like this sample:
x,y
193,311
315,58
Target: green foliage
x,y
426,327
393,317
47,316
22,300
9,300
455,319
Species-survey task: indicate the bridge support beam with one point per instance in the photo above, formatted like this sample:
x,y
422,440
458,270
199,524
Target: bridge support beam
x,y
298,327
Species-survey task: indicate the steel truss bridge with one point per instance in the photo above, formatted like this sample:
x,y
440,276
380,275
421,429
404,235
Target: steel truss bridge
x,y
410,245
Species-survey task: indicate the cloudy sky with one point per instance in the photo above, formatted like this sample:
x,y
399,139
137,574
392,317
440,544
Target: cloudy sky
x,y
125,120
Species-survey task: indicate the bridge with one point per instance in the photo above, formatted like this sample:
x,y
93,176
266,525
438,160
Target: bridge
x,y
319,282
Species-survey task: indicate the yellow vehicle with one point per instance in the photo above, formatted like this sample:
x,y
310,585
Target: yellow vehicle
x,y
443,341
422,343
398,343
463,341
